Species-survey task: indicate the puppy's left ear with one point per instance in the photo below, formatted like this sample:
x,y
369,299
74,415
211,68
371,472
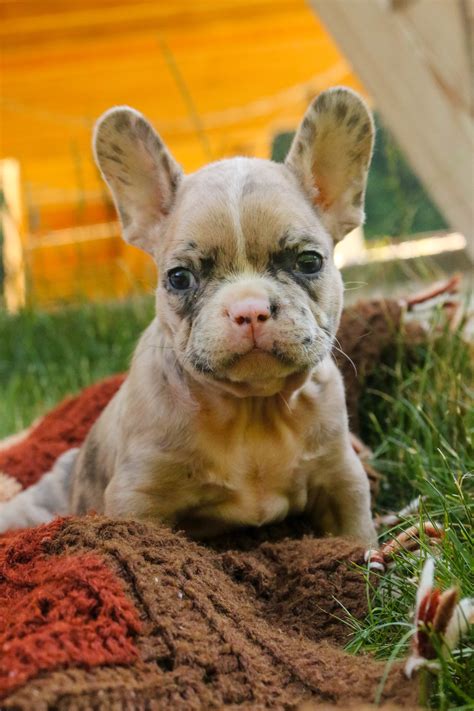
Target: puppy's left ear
x,y
331,155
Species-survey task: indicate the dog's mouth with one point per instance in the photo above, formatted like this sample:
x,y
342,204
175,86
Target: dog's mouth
x,y
256,362
261,369
256,372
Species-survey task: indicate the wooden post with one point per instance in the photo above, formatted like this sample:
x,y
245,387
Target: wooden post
x,y
12,225
351,250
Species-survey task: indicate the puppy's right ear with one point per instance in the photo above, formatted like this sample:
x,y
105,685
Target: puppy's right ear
x,y
139,170
331,154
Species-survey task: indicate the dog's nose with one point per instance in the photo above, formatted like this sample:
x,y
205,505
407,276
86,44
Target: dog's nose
x,y
251,311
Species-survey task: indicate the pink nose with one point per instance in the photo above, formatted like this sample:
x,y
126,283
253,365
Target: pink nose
x,y
250,311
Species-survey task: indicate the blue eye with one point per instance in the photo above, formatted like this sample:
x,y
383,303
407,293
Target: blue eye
x,y
181,279
309,263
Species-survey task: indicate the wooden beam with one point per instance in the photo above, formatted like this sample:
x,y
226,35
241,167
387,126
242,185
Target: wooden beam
x,y
11,224
414,61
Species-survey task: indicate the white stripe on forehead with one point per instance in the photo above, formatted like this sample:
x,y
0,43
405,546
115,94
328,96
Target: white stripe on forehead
x,y
234,189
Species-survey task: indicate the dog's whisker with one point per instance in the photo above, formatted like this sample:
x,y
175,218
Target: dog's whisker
x,y
354,285
343,353
282,397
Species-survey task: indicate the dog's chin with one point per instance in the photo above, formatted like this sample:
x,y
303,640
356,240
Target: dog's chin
x,y
256,365
260,374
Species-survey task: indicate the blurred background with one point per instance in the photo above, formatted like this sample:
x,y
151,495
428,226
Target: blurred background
x,y
217,78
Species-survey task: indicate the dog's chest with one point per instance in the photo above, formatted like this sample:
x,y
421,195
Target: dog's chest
x,y
249,465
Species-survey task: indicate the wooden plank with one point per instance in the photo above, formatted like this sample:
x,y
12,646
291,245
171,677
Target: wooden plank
x,y
440,33
433,128
11,217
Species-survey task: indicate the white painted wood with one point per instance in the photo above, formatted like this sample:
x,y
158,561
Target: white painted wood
x,y
350,250
439,30
397,50
11,217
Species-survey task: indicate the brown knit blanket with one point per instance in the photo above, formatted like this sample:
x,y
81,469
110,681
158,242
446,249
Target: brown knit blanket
x,y
117,615
102,614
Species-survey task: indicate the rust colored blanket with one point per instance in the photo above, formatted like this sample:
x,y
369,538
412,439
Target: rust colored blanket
x,y
102,614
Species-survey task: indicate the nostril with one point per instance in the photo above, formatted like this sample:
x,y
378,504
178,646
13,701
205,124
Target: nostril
x,y
262,317
242,319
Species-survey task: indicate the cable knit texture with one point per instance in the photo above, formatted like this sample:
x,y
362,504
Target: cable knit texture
x,y
102,614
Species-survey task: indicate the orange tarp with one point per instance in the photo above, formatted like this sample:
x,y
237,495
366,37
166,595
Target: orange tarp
x,y
216,77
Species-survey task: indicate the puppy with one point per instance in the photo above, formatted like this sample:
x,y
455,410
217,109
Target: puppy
x,y
233,412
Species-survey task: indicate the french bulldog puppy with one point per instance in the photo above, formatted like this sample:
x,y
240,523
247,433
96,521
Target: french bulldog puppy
x,y
233,412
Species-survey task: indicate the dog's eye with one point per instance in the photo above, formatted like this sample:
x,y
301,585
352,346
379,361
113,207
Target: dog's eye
x,y
309,262
181,279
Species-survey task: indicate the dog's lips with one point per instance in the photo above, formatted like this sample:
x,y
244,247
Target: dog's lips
x,y
258,372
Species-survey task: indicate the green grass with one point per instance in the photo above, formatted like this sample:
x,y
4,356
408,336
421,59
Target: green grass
x,y
45,356
416,413
419,419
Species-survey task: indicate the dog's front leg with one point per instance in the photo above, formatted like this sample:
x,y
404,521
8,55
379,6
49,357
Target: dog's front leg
x,y
122,501
128,496
341,501
150,488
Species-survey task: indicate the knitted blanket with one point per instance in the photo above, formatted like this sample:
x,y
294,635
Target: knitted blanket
x,y
103,614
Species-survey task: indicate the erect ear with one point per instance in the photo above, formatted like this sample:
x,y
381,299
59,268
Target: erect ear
x,y
139,170
331,154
